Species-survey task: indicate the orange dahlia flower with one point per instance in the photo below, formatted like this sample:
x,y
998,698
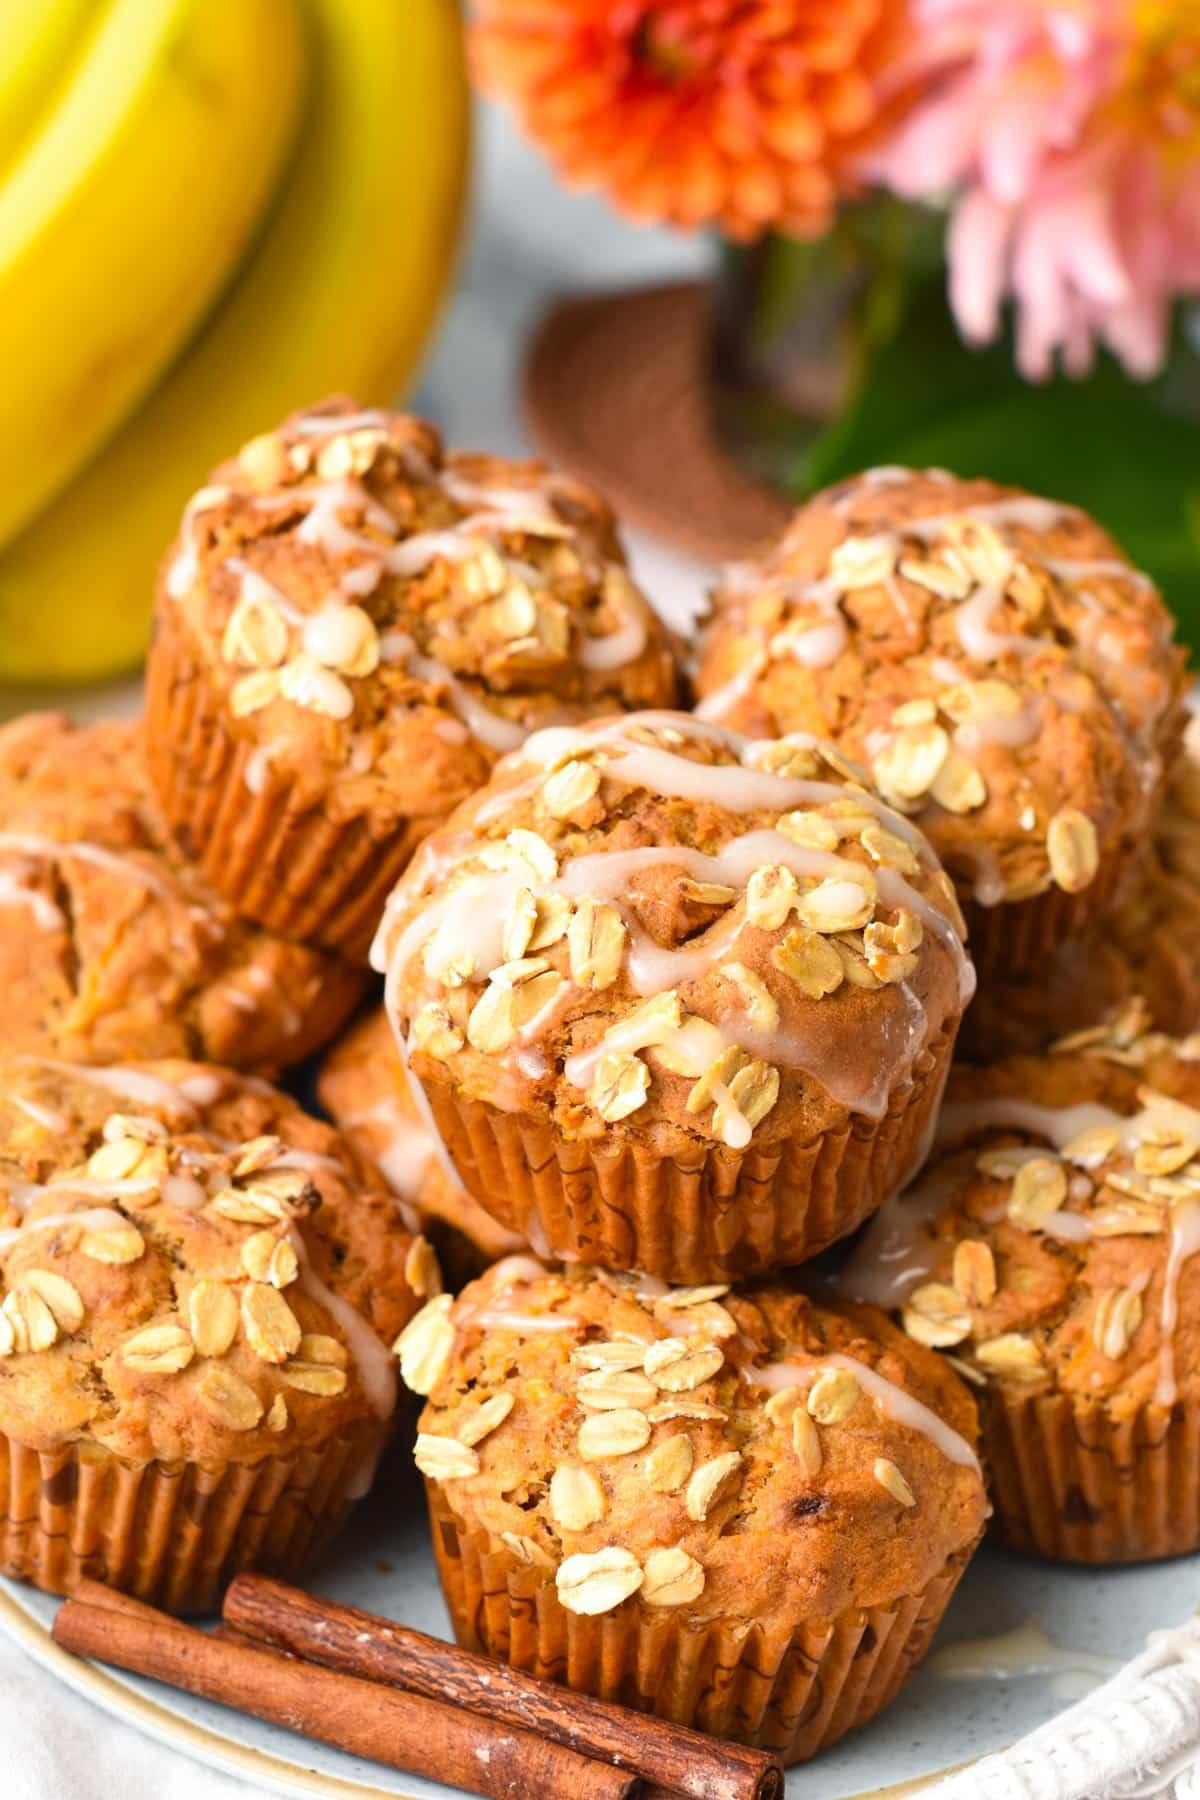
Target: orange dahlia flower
x,y
738,112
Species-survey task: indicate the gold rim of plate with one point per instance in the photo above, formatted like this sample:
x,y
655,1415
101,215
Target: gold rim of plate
x,y
221,1751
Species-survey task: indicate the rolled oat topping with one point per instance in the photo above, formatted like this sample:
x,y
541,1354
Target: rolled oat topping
x,y
185,1255
1057,1245
784,1423
982,651
669,955
344,571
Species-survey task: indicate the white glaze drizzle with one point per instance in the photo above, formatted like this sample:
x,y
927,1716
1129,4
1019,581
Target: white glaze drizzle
x,y
897,1229
491,728
24,843
898,1251
404,1159
1057,1124
721,702
41,1115
374,1361
46,915
900,1407
92,1218
256,590
618,648
1184,1243
185,566
503,1318
973,616
469,919
1024,1652
129,1083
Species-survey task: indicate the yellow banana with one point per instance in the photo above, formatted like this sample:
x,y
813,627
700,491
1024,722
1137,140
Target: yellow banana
x,y
39,46
125,213
338,295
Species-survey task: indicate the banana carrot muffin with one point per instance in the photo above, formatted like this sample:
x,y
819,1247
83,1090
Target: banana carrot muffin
x,y
352,626
632,1486
199,1290
1051,1250
1006,674
363,1088
677,1001
1142,950
112,944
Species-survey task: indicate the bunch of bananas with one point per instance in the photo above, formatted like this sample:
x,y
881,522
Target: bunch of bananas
x,y
211,211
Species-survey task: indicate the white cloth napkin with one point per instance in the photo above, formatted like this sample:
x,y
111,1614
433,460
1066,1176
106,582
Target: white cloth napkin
x,y
54,1745
1135,1738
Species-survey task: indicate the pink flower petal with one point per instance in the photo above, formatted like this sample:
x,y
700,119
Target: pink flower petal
x,y
977,246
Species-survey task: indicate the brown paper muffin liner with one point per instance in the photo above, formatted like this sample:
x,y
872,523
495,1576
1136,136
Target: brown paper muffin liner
x,y
174,1534
721,1214
1017,936
795,1689
293,868
1072,1482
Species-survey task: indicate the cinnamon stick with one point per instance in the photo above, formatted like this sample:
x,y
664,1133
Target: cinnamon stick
x,y
672,1757
407,1731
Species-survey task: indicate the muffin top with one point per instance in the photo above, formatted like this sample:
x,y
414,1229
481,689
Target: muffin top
x,y
112,944
363,1088
191,1266
1052,1245
1140,951
384,618
1140,954
1005,673
732,1452
654,926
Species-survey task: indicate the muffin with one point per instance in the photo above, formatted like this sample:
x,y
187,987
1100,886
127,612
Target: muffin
x,y
199,1286
631,1486
1007,675
1139,958
1052,1254
351,627
363,1088
113,945
677,1002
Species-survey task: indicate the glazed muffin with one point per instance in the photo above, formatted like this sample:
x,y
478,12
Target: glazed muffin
x,y
200,1287
1054,1257
1139,960
1138,963
351,627
677,1002
630,1486
363,1088
1009,678
113,945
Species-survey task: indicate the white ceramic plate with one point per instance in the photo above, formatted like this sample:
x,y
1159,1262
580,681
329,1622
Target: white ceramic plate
x,y
946,1716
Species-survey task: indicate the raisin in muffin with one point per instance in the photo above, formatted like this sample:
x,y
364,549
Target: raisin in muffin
x,y
363,1088
200,1288
677,1001
112,944
630,1485
1007,675
351,627
1054,1255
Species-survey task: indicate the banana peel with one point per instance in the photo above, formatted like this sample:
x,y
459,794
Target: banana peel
x,y
126,215
339,295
